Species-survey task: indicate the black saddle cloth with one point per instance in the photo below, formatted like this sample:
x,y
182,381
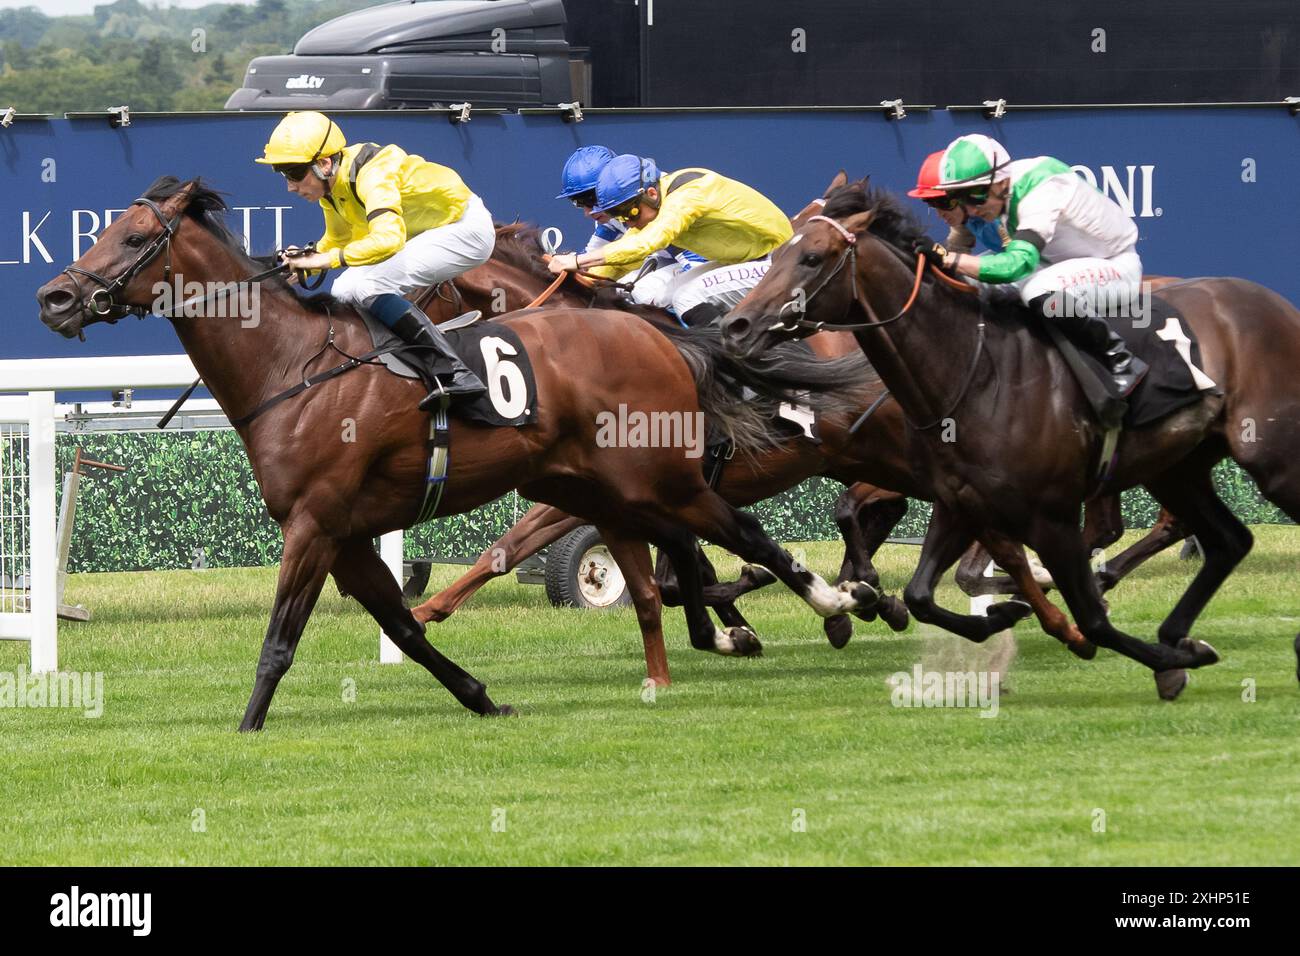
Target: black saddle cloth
x,y
1156,337
475,344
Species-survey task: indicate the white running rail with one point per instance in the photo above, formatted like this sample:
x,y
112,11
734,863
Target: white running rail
x,y
28,602
28,590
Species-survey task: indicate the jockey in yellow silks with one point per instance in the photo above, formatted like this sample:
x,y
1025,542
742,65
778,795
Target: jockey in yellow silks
x,y
729,225
394,222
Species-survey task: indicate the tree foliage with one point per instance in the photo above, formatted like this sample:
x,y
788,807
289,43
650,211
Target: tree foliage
x,y
144,56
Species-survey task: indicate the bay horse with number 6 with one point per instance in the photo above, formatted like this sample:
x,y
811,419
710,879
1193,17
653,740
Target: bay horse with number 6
x,y
331,498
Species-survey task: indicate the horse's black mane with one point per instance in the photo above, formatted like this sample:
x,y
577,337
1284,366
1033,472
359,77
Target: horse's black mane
x,y
519,244
207,208
894,222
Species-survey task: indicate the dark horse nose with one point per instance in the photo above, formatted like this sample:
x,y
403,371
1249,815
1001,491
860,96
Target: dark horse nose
x,y
55,301
735,331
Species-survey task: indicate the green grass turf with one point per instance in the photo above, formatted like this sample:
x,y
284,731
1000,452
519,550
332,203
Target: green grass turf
x,y
713,771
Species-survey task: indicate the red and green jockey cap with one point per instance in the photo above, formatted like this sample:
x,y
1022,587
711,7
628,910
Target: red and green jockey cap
x,y
927,177
972,161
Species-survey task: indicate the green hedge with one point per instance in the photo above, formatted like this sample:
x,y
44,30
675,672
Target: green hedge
x,y
186,495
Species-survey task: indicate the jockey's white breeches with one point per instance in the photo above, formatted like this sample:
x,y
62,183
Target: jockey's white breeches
x,y
433,256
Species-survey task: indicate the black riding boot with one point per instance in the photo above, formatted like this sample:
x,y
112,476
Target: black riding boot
x,y
415,328
1094,335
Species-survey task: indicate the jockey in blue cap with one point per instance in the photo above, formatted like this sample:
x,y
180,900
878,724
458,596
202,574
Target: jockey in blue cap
x,y
578,184
731,227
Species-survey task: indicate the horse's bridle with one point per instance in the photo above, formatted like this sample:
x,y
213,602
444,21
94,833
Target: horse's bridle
x,y
850,257
102,301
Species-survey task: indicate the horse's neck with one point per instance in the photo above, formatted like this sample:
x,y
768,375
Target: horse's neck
x,y
244,359
923,357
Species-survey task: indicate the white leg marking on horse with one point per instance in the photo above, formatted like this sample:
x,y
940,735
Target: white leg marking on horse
x,y
722,641
826,600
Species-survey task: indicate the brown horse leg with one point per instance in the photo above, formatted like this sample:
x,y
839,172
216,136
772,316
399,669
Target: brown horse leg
x,y
633,559
307,558
865,516
1224,540
1168,530
359,571
1052,619
946,538
541,525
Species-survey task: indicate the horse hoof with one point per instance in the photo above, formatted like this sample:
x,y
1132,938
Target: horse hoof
x,y
894,613
745,642
1203,655
756,576
838,630
1006,614
1169,684
1083,649
505,710
863,594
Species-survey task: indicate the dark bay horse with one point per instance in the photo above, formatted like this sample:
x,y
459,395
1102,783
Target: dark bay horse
x,y
345,461
1023,452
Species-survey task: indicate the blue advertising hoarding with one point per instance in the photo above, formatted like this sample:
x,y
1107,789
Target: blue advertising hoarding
x,y
1211,189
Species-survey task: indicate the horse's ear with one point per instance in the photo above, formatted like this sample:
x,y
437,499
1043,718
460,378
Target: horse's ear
x,y
179,201
858,222
860,184
841,179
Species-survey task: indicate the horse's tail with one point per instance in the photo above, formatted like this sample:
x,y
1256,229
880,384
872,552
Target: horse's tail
x,y
741,396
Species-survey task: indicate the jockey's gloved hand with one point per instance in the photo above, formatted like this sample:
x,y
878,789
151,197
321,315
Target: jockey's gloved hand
x,y
933,252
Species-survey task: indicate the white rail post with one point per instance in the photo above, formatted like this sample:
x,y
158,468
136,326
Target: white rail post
x,y
44,600
390,551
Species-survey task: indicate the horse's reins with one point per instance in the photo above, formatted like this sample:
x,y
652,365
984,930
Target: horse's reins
x,y
849,257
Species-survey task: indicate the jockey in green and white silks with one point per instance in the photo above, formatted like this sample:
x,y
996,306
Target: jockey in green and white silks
x,y
1072,253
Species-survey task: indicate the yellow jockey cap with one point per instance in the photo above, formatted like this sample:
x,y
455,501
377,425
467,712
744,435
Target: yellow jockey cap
x,y
303,138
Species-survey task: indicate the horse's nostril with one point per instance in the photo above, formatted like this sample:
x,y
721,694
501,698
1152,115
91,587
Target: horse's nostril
x,y
737,326
57,300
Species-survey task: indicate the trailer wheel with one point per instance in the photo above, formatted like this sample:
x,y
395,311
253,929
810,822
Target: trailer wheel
x,y
580,572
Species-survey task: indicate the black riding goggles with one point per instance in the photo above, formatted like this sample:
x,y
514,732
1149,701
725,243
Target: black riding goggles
x,y
972,197
945,203
585,200
628,210
294,172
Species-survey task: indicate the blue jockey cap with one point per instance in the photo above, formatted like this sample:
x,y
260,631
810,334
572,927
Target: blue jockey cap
x,y
582,169
624,177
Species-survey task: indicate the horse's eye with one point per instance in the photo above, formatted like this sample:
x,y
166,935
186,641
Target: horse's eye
x,y
811,259
135,240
